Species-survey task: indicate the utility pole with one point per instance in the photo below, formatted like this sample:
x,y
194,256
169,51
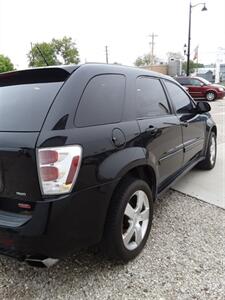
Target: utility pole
x,y
189,41
31,47
106,54
152,44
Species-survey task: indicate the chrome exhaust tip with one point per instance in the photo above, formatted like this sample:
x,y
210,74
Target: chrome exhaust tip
x,y
45,262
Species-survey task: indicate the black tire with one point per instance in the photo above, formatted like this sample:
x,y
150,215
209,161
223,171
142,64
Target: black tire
x,y
209,162
210,96
117,220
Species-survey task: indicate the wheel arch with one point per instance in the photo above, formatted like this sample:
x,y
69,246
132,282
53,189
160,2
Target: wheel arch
x,y
144,172
214,129
211,129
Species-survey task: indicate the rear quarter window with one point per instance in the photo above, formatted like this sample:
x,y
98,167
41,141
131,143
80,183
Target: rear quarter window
x,y
102,101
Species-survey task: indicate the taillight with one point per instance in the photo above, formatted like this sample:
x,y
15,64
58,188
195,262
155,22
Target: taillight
x,y
58,168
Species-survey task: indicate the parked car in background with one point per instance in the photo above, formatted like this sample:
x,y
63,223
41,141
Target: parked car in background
x,y
200,88
84,152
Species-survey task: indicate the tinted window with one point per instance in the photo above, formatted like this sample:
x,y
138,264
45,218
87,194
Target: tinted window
x,y
151,99
102,101
26,96
24,107
180,99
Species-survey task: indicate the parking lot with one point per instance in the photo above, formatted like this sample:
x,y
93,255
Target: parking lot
x,y
184,258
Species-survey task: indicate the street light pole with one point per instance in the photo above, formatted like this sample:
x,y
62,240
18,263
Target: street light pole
x,y
189,42
189,33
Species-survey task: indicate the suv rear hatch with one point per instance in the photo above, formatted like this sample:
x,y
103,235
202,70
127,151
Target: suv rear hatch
x,y
25,99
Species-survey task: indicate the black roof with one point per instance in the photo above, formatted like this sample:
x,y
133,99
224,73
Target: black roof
x,y
61,72
123,69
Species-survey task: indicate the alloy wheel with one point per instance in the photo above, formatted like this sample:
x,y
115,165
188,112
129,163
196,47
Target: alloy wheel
x,y
135,220
212,150
210,96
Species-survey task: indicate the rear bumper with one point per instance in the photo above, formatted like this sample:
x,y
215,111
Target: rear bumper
x,y
57,227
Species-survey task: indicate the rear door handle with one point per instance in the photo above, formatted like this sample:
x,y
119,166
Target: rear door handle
x,y
152,129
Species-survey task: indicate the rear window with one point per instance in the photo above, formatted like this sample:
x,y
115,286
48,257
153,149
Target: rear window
x,y
26,96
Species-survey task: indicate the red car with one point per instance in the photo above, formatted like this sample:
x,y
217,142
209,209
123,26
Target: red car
x,y
200,88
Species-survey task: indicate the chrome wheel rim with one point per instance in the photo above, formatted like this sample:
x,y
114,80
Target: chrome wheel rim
x,y
212,150
135,220
210,96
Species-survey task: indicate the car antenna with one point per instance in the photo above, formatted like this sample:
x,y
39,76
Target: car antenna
x,y
42,55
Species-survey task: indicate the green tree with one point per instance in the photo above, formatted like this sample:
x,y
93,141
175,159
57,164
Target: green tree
x,y
42,53
146,60
192,66
57,52
5,64
66,49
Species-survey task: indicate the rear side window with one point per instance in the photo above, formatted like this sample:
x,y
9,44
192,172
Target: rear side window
x,y
180,99
26,96
102,101
151,99
195,82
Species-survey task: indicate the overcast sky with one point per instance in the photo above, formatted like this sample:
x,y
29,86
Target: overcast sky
x,y
123,25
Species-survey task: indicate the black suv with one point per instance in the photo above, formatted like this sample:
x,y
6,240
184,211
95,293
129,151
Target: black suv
x,y
84,152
